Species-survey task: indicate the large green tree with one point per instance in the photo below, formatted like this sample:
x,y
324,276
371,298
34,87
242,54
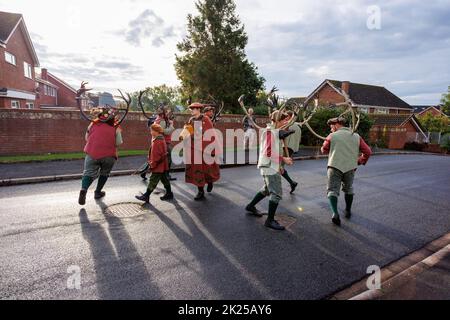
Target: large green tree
x,y
212,59
153,96
446,102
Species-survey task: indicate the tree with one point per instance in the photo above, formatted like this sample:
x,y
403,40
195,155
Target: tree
x,y
212,60
446,102
156,95
433,123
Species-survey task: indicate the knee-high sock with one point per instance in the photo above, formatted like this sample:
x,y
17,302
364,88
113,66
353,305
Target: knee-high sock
x,y
101,183
201,189
348,202
288,178
272,209
86,182
259,196
333,205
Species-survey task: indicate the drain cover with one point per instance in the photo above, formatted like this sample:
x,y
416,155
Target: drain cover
x,y
125,210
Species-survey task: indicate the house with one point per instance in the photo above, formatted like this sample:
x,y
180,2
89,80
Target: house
x,y
18,61
368,98
20,86
393,131
54,93
420,111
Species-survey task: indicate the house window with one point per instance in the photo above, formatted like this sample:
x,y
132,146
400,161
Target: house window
x,y
27,70
30,105
381,111
10,58
15,104
49,91
364,110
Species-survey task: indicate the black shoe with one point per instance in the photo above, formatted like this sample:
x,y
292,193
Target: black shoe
x,y
293,187
348,214
210,187
273,224
167,196
200,196
253,211
172,179
99,194
144,176
336,220
82,197
143,198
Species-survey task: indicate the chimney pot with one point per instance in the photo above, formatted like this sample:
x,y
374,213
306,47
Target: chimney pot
x,y
346,86
44,75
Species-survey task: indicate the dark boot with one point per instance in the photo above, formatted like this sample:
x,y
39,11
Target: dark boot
x,y
271,222
348,205
291,182
100,184
200,195
210,187
333,205
167,196
251,206
99,194
82,197
144,197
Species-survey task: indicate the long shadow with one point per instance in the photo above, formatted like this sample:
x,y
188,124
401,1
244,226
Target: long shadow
x,y
216,269
120,271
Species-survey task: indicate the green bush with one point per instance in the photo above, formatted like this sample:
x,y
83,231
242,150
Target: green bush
x,y
445,142
319,124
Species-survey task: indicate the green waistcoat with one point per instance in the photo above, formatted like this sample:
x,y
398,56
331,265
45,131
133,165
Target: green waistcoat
x,y
344,150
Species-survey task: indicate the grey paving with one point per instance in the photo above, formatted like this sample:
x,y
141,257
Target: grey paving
x,y
213,250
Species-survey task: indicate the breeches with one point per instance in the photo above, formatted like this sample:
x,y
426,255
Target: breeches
x,y
272,187
337,179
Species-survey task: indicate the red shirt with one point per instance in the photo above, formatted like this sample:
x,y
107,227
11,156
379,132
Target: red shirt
x,y
158,158
101,142
365,150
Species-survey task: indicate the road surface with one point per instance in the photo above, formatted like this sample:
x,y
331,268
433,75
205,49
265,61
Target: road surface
x,y
213,250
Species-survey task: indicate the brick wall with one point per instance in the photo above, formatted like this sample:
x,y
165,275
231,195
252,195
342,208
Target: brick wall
x,y
54,131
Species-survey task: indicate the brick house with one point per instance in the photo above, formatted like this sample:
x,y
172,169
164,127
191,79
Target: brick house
x,y
368,98
20,86
18,60
53,92
420,111
395,130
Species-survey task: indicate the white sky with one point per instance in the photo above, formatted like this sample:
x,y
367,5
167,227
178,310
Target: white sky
x,y
86,40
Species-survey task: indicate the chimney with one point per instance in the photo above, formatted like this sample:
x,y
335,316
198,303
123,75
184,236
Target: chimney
x,y
345,86
44,74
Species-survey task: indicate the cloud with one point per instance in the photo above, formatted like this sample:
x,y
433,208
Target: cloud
x,y
74,67
331,39
148,26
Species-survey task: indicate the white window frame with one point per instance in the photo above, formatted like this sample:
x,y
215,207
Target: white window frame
x,y
30,105
381,111
364,110
27,70
15,104
10,58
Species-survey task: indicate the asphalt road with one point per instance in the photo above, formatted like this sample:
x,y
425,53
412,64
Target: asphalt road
x,y
213,250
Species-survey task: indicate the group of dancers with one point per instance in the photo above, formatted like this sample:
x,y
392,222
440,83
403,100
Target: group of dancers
x,y
346,150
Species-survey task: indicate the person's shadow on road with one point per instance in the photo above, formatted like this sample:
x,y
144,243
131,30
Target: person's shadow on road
x,y
119,269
